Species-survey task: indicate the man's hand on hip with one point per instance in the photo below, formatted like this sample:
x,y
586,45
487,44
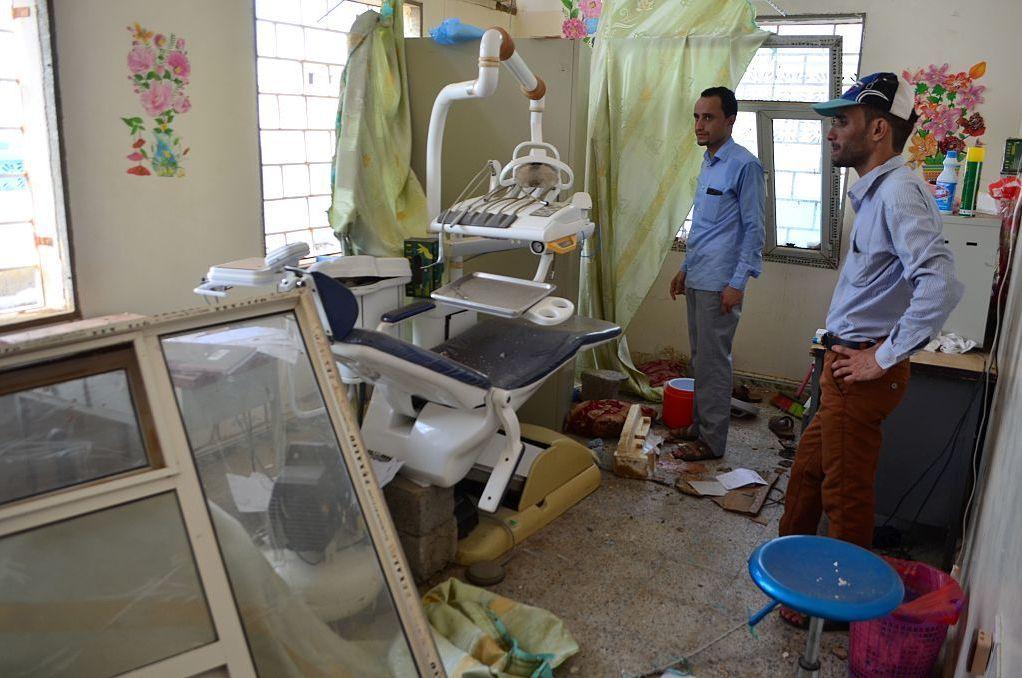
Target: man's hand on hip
x,y
677,284
857,365
730,298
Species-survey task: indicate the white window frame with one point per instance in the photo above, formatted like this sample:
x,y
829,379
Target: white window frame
x,y
172,469
172,472
44,175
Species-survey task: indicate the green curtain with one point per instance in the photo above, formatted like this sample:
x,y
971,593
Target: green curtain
x,y
651,60
377,199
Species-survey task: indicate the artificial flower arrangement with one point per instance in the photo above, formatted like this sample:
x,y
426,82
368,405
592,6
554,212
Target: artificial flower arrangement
x,y
946,104
581,18
159,70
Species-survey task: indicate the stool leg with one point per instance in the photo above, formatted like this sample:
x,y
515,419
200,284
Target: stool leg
x,y
809,663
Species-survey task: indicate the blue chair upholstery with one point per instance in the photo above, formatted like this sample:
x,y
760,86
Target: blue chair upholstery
x,y
419,356
339,304
516,353
508,354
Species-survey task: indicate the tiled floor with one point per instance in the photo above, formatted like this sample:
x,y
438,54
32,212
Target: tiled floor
x,y
643,574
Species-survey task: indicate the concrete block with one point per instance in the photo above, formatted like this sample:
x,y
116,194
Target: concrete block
x,y
417,510
430,553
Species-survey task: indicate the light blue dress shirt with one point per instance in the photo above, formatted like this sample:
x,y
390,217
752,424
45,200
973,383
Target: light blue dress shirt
x,y
898,280
725,244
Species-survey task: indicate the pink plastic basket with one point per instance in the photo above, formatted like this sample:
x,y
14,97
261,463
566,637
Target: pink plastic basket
x,y
894,647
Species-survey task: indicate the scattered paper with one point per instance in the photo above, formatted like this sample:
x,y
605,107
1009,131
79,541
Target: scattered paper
x,y
740,477
386,470
251,493
708,488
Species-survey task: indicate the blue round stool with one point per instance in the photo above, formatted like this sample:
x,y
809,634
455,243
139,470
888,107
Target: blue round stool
x,y
825,579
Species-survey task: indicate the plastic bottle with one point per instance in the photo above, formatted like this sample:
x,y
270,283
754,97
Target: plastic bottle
x,y
947,182
970,185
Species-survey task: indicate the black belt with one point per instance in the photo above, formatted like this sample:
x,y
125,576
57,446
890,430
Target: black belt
x,y
829,341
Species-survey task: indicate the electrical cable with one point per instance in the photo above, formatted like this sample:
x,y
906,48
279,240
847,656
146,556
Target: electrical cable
x,y
947,446
991,365
443,215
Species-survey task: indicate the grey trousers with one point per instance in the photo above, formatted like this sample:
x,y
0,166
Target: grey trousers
x,y
710,335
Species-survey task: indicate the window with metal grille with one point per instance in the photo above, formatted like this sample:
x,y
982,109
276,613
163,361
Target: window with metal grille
x,y
301,48
35,263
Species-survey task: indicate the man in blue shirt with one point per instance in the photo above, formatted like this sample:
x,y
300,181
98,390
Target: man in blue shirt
x,y
724,249
896,288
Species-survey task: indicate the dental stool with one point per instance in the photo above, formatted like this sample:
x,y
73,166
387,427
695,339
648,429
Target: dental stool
x,y
825,579
438,409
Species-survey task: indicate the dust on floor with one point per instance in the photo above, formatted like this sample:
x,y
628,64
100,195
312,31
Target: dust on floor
x,y
642,573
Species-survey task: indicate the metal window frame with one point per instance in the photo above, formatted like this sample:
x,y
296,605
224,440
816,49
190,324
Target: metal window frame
x,y
838,18
830,214
768,111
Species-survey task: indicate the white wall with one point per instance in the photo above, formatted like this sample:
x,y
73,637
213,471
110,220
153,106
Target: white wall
x,y
993,570
435,11
538,19
788,303
142,243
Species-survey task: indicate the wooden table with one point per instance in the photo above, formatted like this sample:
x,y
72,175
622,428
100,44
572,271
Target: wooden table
x,y
924,474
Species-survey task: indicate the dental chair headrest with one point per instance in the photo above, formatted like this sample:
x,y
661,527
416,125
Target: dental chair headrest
x,y
338,304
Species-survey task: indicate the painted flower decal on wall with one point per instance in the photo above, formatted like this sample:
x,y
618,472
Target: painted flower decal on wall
x,y
590,9
574,29
159,71
581,19
946,103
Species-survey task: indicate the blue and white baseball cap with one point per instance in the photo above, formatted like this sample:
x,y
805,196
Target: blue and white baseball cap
x,y
887,92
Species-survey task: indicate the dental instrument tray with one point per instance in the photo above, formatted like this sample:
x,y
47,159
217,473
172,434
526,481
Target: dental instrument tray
x,y
498,295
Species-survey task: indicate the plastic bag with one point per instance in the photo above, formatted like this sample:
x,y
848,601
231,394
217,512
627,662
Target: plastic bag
x,y
931,596
452,31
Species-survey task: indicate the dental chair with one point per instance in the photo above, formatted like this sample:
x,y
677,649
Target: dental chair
x,y
438,409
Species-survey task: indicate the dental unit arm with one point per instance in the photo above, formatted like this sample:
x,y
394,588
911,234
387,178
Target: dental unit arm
x,y
438,408
520,207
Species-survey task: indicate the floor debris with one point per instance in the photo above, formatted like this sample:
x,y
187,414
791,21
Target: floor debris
x,y
631,458
748,500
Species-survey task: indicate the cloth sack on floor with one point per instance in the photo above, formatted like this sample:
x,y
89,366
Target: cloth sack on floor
x,y
480,634
602,418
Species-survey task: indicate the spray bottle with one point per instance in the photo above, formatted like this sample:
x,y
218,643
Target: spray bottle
x,y
947,182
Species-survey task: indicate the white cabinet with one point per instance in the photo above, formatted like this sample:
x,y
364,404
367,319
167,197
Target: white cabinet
x,y
974,243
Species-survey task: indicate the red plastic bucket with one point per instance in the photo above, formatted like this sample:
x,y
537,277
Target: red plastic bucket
x,y
679,398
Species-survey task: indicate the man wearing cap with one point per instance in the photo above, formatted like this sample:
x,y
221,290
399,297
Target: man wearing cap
x,y
724,249
896,288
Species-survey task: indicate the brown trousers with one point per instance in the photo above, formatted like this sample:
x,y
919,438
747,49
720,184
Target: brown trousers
x,y
835,466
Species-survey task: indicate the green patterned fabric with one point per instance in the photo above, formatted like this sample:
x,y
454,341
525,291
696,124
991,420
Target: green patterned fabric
x,y
480,634
377,199
651,60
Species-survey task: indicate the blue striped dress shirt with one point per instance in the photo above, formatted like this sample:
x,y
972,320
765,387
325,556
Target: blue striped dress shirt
x,y
725,244
898,280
